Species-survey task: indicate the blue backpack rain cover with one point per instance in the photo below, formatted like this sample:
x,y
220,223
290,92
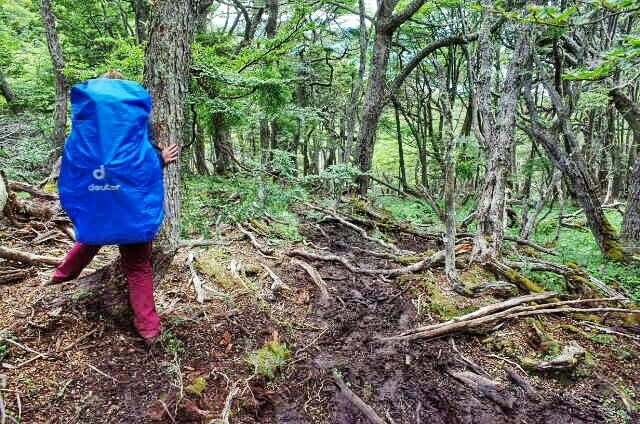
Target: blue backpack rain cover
x,y
111,181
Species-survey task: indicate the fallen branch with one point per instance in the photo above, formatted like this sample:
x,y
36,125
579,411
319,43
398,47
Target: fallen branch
x,y
368,411
487,310
437,257
317,279
532,245
201,295
520,381
29,258
450,327
12,275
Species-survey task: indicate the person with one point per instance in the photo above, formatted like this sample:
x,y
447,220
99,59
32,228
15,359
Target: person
x,y
136,264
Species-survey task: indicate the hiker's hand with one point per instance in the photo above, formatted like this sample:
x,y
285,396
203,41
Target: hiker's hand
x,y
170,154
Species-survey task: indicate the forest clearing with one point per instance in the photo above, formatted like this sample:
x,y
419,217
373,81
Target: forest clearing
x,y
393,212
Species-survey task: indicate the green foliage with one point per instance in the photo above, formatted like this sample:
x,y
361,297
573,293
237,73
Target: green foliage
x,y
235,198
4,351
269,359
172,345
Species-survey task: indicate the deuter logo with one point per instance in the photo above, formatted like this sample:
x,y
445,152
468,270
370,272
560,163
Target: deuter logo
x,y
100,174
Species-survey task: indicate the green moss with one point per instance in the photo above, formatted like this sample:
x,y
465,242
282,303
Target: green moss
x,y
548,344
210,264
269,359
81,294
197,386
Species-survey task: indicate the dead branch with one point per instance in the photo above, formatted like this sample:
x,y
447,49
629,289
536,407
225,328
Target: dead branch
x,y
29,258
4,192
254,241
201,296
532,245
317,278
436,258
368,411
574,275
487,310
450,327
226,411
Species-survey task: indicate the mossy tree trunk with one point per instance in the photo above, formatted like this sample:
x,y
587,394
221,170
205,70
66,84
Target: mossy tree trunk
x,y
572,165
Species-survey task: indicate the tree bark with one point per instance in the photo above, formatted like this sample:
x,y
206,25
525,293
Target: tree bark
x,y
630,233
7,93
141,8
221,144
574,168
498,136
61,84
352,109
166,76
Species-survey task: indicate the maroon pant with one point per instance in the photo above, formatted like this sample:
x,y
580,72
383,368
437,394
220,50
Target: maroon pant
x,y
136,262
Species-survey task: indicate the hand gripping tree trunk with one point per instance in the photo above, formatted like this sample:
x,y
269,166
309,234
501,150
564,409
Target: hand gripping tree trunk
x,y
498,136
166,76
631,221
61,85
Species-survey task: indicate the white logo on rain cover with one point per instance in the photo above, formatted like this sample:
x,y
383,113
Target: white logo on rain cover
x,y
100,174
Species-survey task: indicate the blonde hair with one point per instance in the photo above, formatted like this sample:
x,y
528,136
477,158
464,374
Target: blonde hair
x,y
112,75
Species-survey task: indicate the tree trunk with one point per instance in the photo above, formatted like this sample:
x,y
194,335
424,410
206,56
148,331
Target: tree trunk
x,y
498,137
141,8
574,168
61,85
630,233
8,95
221,144
373,105
352,109
401,165
166,76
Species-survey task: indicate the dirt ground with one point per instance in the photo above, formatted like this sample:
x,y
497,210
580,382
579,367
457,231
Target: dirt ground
x,y
82,363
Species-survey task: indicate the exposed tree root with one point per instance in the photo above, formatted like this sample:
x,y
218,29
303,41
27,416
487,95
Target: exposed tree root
x,y
34,191
436,258
254,241
484,386
317,279
359,230
357,401
12,275
29,258
526,387
513,276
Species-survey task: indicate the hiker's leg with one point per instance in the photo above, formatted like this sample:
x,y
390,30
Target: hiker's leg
x,y
75,261
136,262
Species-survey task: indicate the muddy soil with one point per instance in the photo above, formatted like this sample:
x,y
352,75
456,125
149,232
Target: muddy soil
x,y
97,371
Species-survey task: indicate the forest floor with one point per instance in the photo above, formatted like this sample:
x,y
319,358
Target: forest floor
x,y
271,353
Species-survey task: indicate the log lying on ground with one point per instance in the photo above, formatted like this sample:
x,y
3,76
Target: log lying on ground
x,y
28,258
357,401
485,386
436,258
465,323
